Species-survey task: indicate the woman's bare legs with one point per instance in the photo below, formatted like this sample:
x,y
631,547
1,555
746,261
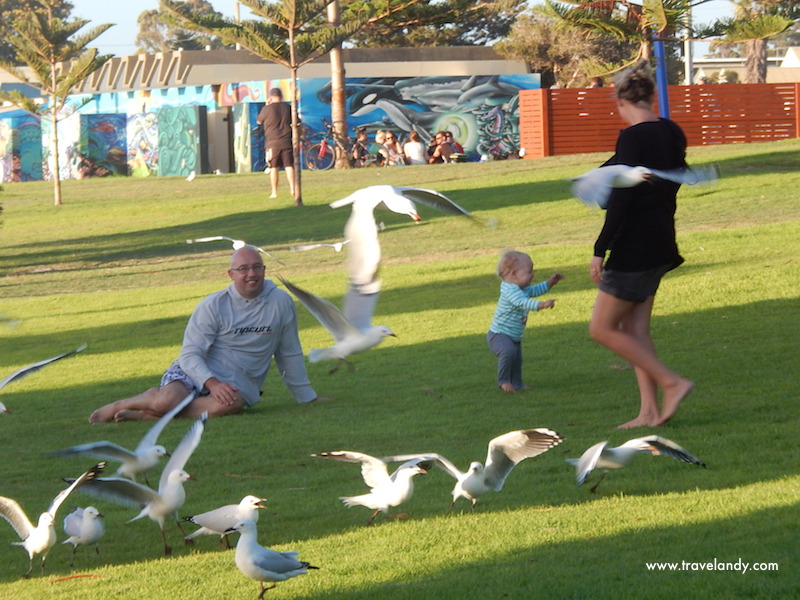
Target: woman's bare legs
x,y
624,327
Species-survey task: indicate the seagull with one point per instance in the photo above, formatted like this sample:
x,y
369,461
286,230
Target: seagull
x,y
84,528
137,462
336,246
191,176
237,244
264,564
600,456
593,188
505,451
386,491
364,251
27,370
41,538
347,337
169,498
220,520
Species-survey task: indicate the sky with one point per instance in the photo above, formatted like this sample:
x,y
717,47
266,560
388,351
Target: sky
x,y
120,39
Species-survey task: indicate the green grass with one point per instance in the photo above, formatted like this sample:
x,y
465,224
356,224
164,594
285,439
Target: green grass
x,y
111,268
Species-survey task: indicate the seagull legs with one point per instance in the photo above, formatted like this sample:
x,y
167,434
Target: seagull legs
x,y
350,366
593,489
264,590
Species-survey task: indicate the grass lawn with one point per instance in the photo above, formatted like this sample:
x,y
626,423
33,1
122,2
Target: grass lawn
x,y
111,268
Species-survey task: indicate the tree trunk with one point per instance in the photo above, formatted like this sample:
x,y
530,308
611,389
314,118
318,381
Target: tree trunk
x,y
755,65
298,167
338,96
54,150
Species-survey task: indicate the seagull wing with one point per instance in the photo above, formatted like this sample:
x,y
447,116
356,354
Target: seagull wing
x,y
330,317
689,175
213,238
24,371
151,437
433,199
101,450
657,446
120,490
588,461
86,477
508,449
373,470
218,519
73,522
264,252
12,512
184,450
437,459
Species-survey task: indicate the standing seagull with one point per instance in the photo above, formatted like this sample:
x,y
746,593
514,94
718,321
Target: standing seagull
x,y
137,462
347,338
593,188
600,456
220,520
84,528
41,538
385,491
27,370
237,244
505,451
364,250
170,495
263,564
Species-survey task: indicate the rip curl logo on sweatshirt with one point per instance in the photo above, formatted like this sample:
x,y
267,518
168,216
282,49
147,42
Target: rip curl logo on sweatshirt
x,y
261,330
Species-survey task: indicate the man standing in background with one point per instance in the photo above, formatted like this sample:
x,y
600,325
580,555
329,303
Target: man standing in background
x,y
276,119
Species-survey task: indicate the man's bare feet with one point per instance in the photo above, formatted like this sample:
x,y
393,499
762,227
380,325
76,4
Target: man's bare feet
x,y
507,388
104,414
673,397
131,415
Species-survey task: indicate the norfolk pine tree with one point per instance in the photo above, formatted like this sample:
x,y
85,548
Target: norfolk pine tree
x,y
57,60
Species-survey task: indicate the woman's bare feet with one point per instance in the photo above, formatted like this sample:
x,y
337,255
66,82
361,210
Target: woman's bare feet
x,y
673,396
640,421
130,415
507,388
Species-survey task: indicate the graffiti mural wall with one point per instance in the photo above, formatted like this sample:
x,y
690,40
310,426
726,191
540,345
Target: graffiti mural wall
x,y
482,112
20,149
182,142
103,145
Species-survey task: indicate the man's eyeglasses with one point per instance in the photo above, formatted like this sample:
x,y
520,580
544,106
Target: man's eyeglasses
x,y
245,268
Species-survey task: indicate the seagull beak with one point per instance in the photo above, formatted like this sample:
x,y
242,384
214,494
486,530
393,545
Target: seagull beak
x,y
259,505
416,217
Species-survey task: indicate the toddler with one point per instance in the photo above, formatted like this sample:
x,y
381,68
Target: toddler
x,y
511,315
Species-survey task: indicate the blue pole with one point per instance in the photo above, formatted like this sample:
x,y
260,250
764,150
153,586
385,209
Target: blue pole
x,y
661,78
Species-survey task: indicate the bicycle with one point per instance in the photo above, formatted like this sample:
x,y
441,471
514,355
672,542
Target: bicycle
x,y
321,156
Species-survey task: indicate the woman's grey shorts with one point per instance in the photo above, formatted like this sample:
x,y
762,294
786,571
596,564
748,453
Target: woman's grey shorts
x,y
632,286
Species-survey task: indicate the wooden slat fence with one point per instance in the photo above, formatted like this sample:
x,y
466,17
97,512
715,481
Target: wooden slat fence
x,y
570,121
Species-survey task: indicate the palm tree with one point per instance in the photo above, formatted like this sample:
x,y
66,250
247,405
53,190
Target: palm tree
x,y
57,60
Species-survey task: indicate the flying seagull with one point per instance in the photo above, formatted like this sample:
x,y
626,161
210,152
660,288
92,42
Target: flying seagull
x,y
600,456
237,244
157,505
348,339
386,491
364,250
264,564
27,370
593,188
84,528
505,451
41,538
220,520
137,462
303,247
